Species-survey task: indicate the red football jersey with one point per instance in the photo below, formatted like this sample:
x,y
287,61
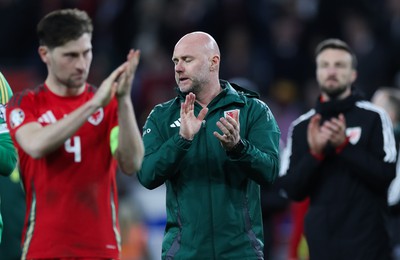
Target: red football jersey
x,y
71,193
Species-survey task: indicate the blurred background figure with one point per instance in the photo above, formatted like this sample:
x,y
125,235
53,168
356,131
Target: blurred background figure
x,y
12,210
13,213
388,98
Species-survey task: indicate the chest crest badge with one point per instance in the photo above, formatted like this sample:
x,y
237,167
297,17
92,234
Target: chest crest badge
x,y
354,134
234,113
97,117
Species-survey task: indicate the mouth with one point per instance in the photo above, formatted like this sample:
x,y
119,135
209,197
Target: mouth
x,y
183,79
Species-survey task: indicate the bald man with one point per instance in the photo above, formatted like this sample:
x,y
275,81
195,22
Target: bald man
x,y
212,146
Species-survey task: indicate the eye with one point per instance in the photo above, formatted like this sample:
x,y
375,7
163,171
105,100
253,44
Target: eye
x,y
323,65
341,65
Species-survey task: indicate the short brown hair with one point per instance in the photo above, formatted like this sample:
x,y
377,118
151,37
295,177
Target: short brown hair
x,y
336,44
62,26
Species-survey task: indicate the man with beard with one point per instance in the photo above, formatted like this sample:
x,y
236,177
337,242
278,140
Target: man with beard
x,y
212,145
342,155
70,136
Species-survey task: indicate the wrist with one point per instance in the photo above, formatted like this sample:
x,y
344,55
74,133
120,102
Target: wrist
x,y
318,156
183,138
340,148
237,148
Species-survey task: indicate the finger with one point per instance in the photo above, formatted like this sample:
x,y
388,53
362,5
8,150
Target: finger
x,y
202,113
223,128
182,113
116,73
192,98
218,136
186,104
133,58
232,121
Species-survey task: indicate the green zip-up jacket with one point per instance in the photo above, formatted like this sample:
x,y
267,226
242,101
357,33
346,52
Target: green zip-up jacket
x,y
213,198
8,155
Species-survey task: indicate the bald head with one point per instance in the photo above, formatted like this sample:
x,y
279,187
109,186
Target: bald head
x,y
197,58
201,41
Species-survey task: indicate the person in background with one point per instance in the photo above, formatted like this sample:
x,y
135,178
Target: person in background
x,y
8,155
342,155
388,98
212,145
13,213
70,136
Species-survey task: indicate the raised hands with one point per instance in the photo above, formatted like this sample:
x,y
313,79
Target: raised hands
x,y
231,132
119,82
126,78
190,124
332,131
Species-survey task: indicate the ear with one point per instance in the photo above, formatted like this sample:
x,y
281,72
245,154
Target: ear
x,y
353,76
214,63
43,51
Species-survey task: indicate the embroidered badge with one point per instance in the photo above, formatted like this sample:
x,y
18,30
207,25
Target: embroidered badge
x,y
354,134
97,117
17,116
233,113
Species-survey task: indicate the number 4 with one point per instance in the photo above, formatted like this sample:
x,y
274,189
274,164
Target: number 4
x,y
75,148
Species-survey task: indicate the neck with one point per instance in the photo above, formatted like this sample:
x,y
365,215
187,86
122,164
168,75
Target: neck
x,y
62,90
344,95
208,93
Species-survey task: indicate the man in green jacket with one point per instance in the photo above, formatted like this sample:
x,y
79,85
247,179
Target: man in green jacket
x,y
8,155
213,146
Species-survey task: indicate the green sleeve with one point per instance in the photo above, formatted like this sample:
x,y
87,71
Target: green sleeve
x,y
8,155
5,90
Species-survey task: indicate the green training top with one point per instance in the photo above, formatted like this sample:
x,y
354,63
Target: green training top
x,y
8,155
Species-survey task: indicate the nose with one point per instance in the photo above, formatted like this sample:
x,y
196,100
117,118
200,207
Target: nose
x,y
81,63
332,70
178,67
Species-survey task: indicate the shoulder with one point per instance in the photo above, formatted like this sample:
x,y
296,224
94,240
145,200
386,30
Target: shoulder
x,y
26,95
301,123
368,106
164,109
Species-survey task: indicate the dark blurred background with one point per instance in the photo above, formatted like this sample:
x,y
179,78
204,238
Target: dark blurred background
x,y
266,45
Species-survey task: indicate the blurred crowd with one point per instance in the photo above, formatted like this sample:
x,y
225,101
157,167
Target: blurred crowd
x,y
266,45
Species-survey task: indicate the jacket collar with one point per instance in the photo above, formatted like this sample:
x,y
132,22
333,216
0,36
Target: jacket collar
x,y
231,93
335,107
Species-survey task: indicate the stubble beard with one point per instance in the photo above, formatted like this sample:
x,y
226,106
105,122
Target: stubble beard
x,y
74,84
195,87
334,93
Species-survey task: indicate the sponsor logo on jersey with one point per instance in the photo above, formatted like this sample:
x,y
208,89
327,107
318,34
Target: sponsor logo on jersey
x,y
47,118
147,131
97,117
176,123
17,116
354,134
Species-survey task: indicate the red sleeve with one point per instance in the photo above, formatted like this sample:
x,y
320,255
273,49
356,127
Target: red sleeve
x,y
19,111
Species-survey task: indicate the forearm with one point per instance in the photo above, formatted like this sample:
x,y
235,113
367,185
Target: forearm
x,y
296,180
130,149
161,163
39,141
260,166
8,155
